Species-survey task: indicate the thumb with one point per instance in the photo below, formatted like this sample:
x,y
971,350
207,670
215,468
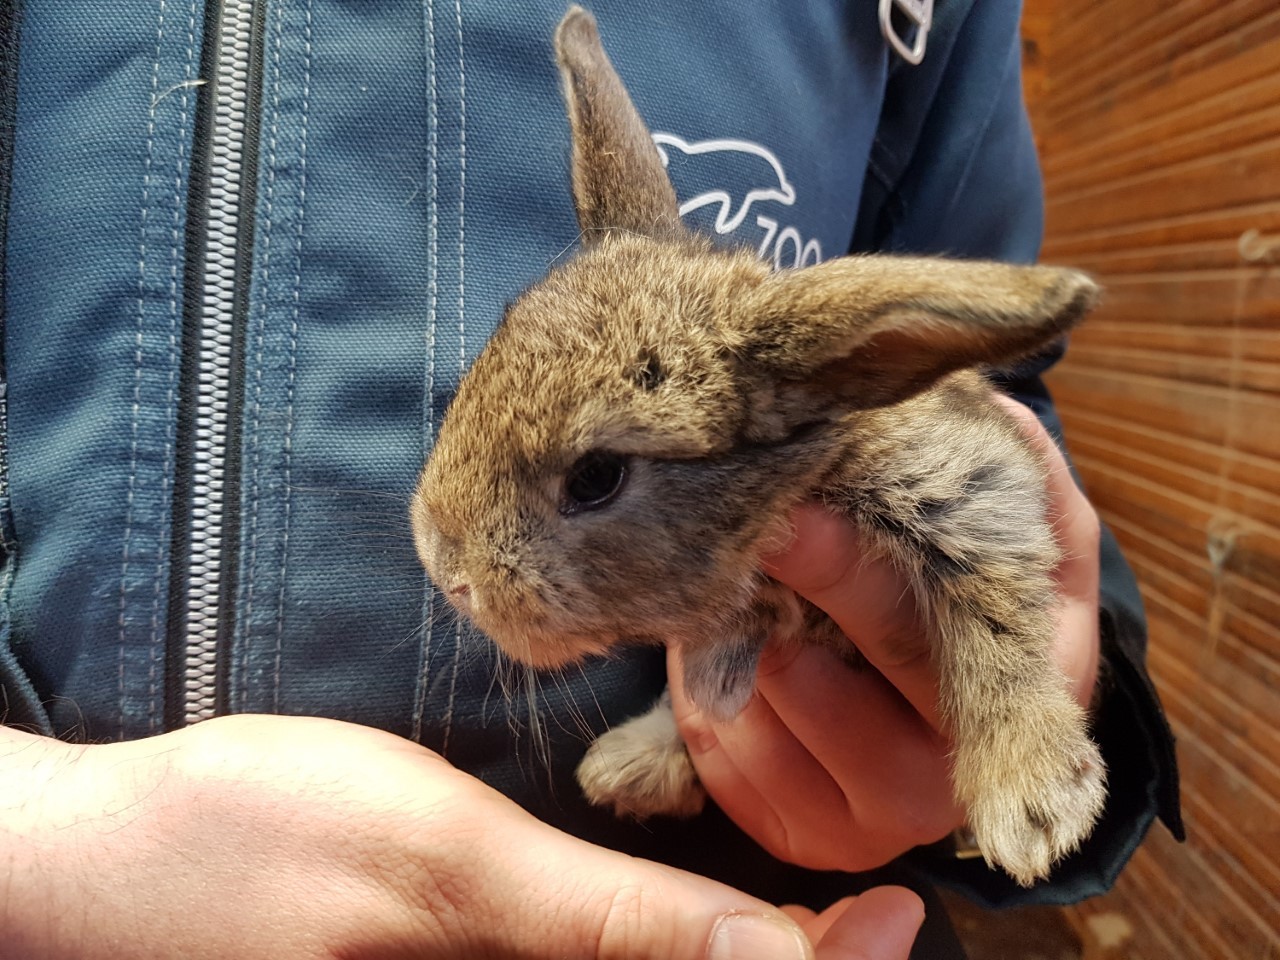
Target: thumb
x,y
881,924
588,902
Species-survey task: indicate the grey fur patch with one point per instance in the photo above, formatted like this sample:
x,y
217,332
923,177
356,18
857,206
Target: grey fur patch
x,y
934,511
1036,819
988,477
997,627
939,564
721,677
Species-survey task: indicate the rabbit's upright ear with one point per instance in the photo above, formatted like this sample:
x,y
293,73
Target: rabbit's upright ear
x,y
861,332
619,182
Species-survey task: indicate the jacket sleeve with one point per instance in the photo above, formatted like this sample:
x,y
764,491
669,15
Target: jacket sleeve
x,y
954,172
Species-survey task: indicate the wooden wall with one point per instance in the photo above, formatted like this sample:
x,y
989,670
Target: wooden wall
x,y
1159,127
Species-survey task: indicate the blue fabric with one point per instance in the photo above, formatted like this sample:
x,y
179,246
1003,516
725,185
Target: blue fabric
x,y
411,180
94,274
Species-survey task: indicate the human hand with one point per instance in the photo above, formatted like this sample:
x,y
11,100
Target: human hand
x,y
253,837
836,768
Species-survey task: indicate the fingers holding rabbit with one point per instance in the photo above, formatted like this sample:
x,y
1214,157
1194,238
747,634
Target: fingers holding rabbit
x,y
833,766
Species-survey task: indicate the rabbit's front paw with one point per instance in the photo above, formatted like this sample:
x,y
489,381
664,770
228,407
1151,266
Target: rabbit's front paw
x,y
1038,803
642,769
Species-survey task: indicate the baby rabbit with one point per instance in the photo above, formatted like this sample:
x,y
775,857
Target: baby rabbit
x,y
636,433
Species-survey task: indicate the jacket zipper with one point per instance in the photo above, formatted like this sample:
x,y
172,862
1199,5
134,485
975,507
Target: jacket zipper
x,y
219,271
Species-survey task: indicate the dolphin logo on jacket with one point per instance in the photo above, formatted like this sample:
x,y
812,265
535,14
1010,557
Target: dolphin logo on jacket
x,y
767,176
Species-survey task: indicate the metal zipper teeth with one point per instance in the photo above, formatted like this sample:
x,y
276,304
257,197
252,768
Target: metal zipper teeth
x,y
226,208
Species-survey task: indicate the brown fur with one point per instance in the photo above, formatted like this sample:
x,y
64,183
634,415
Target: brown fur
x,y
735,393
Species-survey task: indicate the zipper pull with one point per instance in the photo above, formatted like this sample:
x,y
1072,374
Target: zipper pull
x,y
920,14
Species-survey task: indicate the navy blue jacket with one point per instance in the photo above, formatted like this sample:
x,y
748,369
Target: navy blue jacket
x,y
405,176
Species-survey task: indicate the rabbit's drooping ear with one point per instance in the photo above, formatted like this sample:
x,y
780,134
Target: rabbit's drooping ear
x,y
619,182
861,332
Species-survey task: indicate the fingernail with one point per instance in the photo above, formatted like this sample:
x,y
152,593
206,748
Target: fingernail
x,y
698,735
756,936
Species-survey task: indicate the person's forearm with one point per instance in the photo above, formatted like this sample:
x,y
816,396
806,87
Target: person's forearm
x,y
34,840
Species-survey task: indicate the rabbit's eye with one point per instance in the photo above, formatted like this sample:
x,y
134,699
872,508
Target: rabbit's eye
x,y
593,482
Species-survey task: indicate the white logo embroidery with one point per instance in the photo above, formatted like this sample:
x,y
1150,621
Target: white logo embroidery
x,y
770,185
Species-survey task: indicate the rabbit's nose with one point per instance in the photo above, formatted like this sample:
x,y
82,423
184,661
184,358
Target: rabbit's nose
x,y
460,596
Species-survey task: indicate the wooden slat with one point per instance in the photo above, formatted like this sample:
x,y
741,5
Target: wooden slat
x,y
1158,100
1182,520
1241,176
1207,489
1215,33
1236,851
1258,473
1242,787
1208,253
1213,415
1219,224
1256,603
1151,927
1243,115
1183,367
1255,776
1089,26
1183,913
1226,917
1237,298
1227,650
1221,659
1128,39
1260,347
